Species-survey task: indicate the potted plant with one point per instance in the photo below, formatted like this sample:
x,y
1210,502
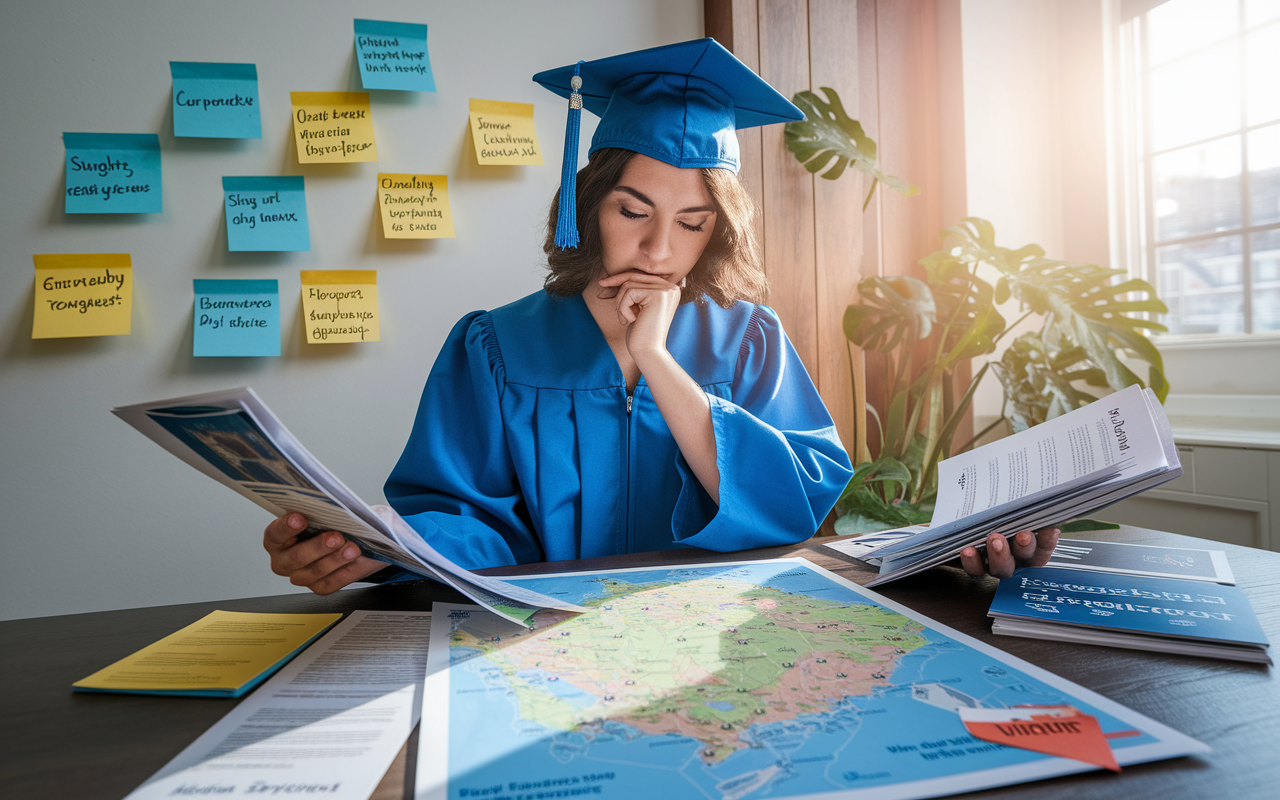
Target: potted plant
x,y
925,327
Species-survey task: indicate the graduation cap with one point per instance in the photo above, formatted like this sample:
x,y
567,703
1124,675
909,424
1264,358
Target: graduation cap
x,y
679,103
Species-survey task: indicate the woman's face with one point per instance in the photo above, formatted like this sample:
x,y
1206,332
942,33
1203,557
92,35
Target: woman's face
x,y
658,219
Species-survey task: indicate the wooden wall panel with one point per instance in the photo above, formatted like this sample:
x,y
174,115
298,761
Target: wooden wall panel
x,y
882,56
838,231
736,25
788,189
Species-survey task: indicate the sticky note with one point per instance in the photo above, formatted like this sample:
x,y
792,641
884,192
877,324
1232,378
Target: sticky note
x,y
215,101
266,213
113,173
415,206
236,318
82,294
393,55
503,133
333,127
340,305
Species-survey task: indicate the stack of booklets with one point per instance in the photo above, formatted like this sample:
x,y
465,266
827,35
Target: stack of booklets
x,y
233,437
1163,615
1064,468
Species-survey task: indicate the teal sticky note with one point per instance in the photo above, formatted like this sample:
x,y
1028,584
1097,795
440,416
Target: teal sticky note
x,y
393,55
236,318
266,213
215,101
113,173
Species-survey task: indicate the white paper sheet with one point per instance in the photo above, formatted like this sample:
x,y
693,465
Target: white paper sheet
x,y
327,725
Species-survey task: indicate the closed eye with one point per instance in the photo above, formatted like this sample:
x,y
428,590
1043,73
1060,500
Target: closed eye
x,y
630,214
695,228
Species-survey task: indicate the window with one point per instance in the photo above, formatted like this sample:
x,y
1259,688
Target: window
x,y
1202,89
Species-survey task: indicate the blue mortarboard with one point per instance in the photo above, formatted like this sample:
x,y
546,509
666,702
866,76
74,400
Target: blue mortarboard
x,y
679,103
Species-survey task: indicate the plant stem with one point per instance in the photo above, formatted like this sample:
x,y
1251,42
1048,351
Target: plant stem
x,y
979,435
867,202
1011,327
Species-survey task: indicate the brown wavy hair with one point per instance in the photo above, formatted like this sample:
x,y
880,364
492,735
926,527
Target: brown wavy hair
x,y
730,268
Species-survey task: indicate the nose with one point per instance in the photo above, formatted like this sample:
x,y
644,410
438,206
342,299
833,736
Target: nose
x,y
657,242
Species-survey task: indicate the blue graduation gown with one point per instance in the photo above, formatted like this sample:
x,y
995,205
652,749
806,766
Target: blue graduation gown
x,y
526,447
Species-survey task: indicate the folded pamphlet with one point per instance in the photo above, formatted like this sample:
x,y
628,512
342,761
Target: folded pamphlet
x,y
225,654
233,437
1140,613
1064,468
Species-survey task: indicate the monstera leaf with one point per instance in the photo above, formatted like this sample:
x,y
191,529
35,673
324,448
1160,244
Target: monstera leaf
x,y
1039,383
826,141
892,311
1080,302
1083,306
964,309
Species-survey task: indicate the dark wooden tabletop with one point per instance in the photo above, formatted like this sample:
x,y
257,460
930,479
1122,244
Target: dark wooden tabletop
x,y
59,744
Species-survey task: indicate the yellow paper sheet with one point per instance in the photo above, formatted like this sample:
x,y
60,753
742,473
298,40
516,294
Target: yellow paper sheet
x,y
83,294
504,133
415,206
221,652
340,305
333,127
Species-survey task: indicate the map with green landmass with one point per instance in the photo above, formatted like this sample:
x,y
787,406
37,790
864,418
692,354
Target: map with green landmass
x,y
729,681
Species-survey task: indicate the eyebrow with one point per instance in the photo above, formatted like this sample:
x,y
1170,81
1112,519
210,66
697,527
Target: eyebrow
x,y
643,199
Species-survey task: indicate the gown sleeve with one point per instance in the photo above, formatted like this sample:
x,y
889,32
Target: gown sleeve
x,y
782,466
455,483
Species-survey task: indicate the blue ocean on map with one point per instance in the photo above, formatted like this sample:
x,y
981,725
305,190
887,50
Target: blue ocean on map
x,y
905,730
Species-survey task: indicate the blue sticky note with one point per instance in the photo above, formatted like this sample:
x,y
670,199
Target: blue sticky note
x,y
215,101
266,213
393,55
113,173
237,318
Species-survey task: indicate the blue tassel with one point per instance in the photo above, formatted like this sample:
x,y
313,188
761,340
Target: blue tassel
x,y
567,215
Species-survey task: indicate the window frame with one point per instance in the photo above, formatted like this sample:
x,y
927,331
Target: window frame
x,y
1134,238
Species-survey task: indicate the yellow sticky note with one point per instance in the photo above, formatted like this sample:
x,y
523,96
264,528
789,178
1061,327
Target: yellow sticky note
x,y
504,133
82,294
333,127
340,305
225,654
415,206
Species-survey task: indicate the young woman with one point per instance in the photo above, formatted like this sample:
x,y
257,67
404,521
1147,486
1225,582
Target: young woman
x,y
644,399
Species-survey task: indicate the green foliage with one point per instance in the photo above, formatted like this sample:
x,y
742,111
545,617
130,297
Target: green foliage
x,y
926,328
826,141
1089,322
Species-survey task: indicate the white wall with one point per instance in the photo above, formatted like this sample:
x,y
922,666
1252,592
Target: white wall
x,y
1036,98
97,517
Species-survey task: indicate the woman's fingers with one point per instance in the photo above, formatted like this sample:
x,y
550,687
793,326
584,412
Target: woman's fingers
x,y
1023,545
283,531
1046,541
323,566
972,562
1000,561
347,574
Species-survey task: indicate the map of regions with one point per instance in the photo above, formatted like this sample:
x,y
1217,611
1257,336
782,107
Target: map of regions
x,y
726,682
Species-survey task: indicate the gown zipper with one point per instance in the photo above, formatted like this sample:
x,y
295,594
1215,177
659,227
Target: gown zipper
x,y
630,473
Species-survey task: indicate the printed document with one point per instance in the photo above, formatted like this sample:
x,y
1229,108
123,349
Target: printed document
x,y
233,437
327,725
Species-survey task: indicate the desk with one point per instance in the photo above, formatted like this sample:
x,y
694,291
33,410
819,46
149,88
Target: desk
x,y
58,744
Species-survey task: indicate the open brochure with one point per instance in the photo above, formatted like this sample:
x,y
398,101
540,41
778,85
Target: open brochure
x,y
233,437
1064,468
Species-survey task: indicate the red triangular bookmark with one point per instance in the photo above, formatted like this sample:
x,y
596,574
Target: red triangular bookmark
x,y
1053,730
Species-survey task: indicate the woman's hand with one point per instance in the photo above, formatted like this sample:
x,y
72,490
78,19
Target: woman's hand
x,y
1023,549
324,563
645,304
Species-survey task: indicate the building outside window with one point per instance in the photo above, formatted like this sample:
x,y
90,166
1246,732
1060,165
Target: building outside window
x,y
1200,99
